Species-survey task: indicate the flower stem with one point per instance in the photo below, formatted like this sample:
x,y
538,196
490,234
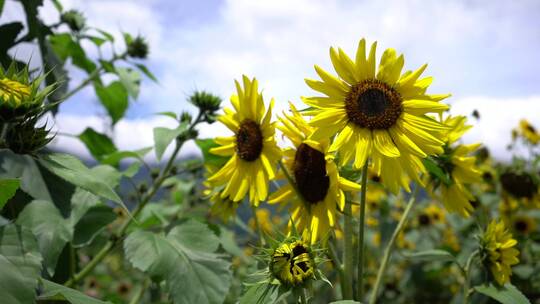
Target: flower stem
x,y
258,225
467,274
361,226
110,244
390,246
303,297
3,133
348,254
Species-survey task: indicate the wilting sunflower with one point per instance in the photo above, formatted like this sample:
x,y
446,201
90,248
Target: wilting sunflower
x,y
528,132
315,177
458,167
379,114
498,251
292,263
252,148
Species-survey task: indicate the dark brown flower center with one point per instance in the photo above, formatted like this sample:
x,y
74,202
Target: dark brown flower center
x,y
297,251
519,185
531,128
521,226
310,174
373,104
423,219
249,140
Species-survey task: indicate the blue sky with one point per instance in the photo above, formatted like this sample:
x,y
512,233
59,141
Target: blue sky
x,y
483,52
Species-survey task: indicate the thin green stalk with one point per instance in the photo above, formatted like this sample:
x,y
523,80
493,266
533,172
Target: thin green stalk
x,y
361,226
303,297
140,292
106,249
72,261
333,255
3,133
390,246
467,274
348,255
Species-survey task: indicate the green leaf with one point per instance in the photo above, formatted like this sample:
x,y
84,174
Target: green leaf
x,y
108,174
58,6
127,38
197,235
105,34
210,159
81,202
107,66
2,2
168,114
51,229
98,144
20,264
53,291
61,45
191,276
114,98
146,72
73,170
25,169
156,215
131,80
115,158
96,40
434,169
507,294
431,255
164,136
345,302
9,33
92,224
263,293
8,187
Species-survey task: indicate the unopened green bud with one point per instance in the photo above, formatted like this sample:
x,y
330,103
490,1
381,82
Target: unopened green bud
x,y
74,19
138,48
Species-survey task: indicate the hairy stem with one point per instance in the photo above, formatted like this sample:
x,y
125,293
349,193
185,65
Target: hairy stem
x,y
361,226
390,246
348,254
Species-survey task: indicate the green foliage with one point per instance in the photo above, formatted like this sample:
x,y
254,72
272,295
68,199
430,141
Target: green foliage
x,y
99,145
8,187
507,294
20,262
114,97
164,136
210,159
431,255
53,291
131,80
192,272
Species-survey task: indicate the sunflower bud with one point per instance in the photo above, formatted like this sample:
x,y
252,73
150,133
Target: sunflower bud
x,y
137,48
292,263
74,19
186,117
20,97
25,137
207,103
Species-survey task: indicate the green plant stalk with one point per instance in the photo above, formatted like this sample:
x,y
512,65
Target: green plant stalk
x,y
258,226
361,226
390,246
121,232
3,133
72,261
140,292
333,255
303,296
348,255
467,274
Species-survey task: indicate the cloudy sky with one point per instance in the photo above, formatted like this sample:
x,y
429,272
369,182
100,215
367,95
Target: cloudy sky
x,y
483,52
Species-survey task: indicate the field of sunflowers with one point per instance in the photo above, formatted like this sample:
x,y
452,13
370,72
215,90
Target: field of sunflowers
x,y
364,191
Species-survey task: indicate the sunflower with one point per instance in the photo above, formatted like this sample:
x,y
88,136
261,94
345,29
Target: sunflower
x,y
523,224
252,149
292,263
431,215
314,177
499,252
378,114
528,132
457,169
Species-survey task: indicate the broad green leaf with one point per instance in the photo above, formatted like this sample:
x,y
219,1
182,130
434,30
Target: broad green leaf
x,y
105,34
53,291
115,158
96,40
8,187
81,202
168,114
156,215
109,175
164,136
210,159
434,169
61,45
24,168
127,38
97,143
20,264
146,72
58,6
92,224
9,33
132,170
197,235
507,294
73,170
114,98
131,80
260,294
107,66
191,276
51,229
431,255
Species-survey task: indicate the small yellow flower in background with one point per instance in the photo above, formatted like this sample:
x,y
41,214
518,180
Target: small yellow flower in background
x,y
253,149
222,207
458,169
522,187
292,263
499,252
523,224
315,177
266,221
431,215
379,114
450,239
528,132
